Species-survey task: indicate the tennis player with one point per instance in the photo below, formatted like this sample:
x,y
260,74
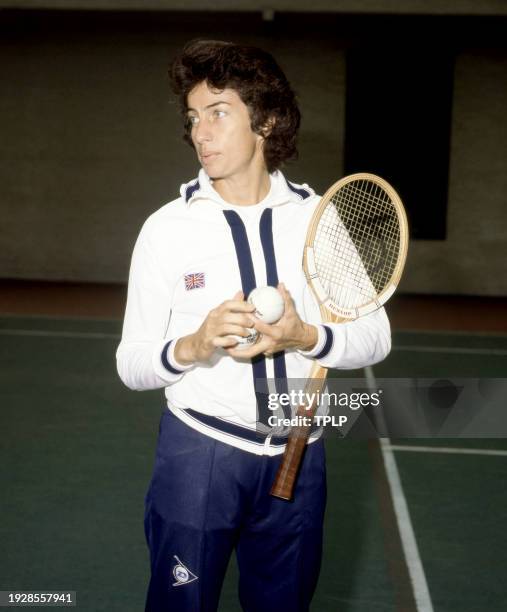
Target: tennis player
x,y
240,224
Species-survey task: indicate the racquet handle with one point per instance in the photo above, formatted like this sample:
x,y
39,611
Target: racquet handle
x,y
285,480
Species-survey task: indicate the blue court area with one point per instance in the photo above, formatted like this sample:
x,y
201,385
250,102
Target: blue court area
x,y
413,524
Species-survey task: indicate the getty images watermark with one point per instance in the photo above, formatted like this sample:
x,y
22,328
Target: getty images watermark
x,y
295,399
386,407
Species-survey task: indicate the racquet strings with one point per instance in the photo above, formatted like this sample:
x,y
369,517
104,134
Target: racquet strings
x,y
357,243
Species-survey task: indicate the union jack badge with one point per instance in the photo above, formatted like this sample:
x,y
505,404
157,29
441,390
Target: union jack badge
x,y
194,281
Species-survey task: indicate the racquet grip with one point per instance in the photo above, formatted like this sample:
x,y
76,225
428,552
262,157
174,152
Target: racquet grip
x,y
283,486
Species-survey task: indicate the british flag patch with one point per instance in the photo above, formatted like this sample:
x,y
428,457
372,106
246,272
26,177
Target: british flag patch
x,y
194,281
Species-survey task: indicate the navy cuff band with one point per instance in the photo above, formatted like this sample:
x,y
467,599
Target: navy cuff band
x,y
327,344
165,360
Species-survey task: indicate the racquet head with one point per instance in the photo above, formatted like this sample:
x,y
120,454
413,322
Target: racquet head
x,y
356,246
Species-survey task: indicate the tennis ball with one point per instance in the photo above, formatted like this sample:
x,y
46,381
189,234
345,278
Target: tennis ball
x,y
268,302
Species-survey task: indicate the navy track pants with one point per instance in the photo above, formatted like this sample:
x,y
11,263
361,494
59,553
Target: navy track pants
x,y
206,499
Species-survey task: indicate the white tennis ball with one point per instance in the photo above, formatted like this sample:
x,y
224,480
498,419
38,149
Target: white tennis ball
x,y
268,302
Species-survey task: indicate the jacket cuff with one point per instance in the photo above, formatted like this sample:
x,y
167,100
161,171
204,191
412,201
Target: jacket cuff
x,y
324,343
165,363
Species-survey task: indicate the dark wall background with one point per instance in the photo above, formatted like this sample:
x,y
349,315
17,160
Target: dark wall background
x,y
91,140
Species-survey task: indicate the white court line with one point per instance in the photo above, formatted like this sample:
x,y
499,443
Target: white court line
x,y
61,317
448,449
412,558
454,332
57,334
448,349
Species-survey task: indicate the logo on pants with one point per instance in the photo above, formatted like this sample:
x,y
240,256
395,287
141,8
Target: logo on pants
x,y
182,574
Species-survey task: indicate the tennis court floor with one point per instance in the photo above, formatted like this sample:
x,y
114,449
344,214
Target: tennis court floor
x,y
77,450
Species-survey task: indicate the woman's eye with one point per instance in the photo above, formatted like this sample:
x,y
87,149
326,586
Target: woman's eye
x,y
220,113
193,120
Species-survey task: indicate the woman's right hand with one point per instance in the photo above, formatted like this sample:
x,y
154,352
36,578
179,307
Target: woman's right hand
x,y
231,318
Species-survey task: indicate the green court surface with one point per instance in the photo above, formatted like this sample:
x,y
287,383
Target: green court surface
x,y
77,449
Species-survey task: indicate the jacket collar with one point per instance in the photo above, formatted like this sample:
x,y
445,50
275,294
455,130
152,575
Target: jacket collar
x,y
281,192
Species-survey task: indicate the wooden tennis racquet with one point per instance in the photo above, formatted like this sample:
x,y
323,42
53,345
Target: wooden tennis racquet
x,y
354,255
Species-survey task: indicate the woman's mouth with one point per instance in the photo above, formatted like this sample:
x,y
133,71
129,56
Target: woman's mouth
x,y
206,158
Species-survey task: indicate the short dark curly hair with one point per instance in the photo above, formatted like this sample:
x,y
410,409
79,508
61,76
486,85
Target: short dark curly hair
x,y
259,82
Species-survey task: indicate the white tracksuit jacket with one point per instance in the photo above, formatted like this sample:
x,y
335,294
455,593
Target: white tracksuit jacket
x,y
190,256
